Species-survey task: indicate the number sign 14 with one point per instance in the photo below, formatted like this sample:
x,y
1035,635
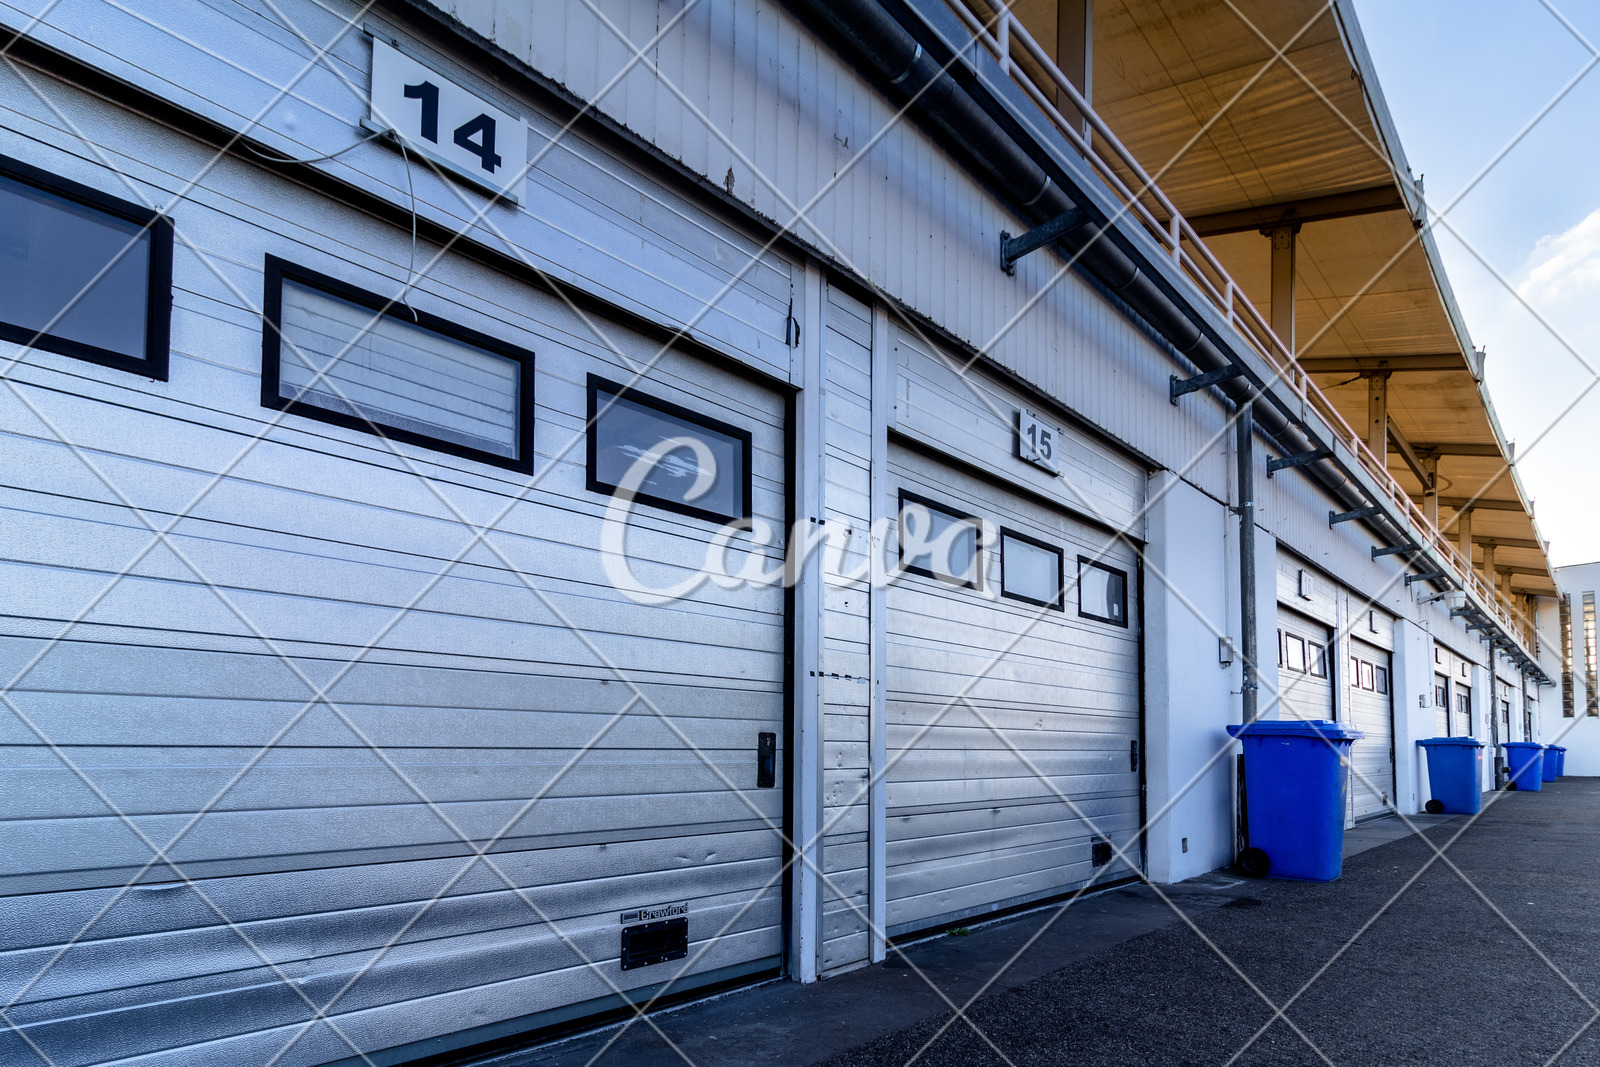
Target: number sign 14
x,y
1037,442
448,123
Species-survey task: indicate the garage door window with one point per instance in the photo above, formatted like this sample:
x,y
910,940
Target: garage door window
x,y
342,355
86,275
939,542
1382,679
1103,592
706,476
1316,660
1031,570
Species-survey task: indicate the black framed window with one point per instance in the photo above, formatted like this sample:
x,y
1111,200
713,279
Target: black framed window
x,y
1103,594
708,479
937,541
1368,679
1382,674
1031,570
85,274
333,352
1316,660
1294,653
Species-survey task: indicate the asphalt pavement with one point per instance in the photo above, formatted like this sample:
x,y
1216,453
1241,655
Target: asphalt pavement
x,y
1491,956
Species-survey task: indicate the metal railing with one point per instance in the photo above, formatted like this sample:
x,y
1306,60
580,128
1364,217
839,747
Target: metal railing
x,y
1021,59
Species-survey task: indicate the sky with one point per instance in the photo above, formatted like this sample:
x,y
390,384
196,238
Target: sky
x,y
1466,82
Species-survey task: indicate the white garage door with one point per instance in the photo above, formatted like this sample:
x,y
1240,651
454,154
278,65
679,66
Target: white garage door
x,y
1013,702
1305,690
606,753
1371,688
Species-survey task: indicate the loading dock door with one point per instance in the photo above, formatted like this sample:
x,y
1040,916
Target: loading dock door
x,y
1371,711
1013,722
1305,690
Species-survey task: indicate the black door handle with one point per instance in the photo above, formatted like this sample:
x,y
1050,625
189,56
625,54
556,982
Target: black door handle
x,y
766,761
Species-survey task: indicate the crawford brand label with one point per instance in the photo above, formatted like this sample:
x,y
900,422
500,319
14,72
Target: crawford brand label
x,y
660,911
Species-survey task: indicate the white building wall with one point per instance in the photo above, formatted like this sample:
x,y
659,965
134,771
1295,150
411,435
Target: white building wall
x,y
1581,733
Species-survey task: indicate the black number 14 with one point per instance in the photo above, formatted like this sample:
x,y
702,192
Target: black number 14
x,y
481,127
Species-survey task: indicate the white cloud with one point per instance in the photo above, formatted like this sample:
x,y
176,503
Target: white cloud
x,y
1564,265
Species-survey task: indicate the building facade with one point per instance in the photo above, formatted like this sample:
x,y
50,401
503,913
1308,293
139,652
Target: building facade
x,y
1570,622
519,510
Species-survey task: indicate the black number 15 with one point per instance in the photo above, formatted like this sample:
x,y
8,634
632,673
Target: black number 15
x,y
481,127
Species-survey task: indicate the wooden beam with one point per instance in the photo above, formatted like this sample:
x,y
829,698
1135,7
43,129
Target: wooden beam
x,y
1407,453
1457,448
1288,212
1434,361
1512,542
1479,504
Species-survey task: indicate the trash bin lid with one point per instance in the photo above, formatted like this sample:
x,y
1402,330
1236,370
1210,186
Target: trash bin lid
x,y
1441,742
1524,744
1559,748
1323,728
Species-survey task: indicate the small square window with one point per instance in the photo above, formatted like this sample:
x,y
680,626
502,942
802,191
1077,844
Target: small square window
x,y
940,542
86,275
343,355
1102,592
1316,660
1382,678
1295,657
1031,570
1367,682
706,474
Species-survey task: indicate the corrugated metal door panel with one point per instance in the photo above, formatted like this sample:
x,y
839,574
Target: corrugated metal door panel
x,y
998,709
1371,688
480,697
1305,690
846,648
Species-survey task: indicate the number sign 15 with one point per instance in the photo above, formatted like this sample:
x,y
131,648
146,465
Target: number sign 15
x,y
448,123
1037,442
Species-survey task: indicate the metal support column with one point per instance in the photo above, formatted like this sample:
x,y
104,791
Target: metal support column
x,y
1430,488
1283,242
1244,431
1464,534
1378,416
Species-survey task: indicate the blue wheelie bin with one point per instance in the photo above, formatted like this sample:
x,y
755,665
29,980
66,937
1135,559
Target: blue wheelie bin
x,y
1455,769
1295,775
1561,760
1526,765
1550,769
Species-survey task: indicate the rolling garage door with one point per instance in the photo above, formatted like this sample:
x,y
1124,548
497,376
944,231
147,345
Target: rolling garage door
x,y
606,752
1013,702
1371,711
1305,690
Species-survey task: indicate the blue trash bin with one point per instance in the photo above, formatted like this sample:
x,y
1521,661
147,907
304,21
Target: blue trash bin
x,y
1295,774
1551,765
1455,769
1561,760
1526,765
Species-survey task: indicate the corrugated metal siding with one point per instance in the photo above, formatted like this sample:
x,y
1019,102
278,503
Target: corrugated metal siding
x,y
319,536
1303,694
846,644
972,825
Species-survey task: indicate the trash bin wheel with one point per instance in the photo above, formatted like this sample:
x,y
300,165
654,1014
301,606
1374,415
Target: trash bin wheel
x,y
1254,863
1511,785
1434,807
